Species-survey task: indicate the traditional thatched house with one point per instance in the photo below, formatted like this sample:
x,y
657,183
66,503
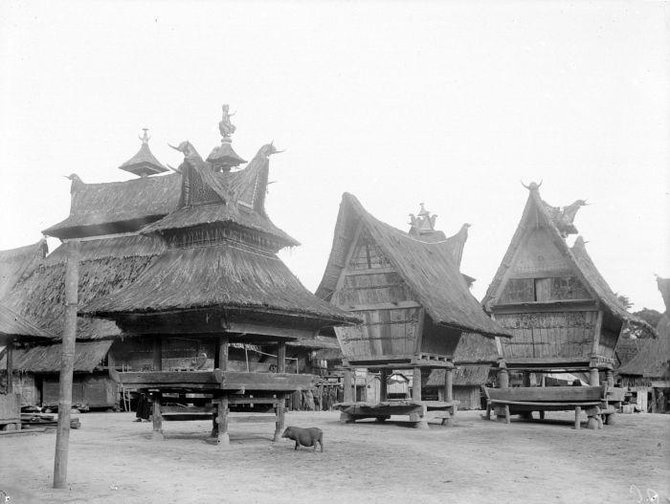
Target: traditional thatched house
x,y
407,288
13,328
647,375
175,248
561,311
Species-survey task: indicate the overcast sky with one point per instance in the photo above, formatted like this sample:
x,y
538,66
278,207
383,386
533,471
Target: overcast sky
x,y
447,103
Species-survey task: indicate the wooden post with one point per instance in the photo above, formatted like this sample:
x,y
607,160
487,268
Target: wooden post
x,y
67,365
157,353
449,385
449,395
383,385
281,396
10,365
526,379
416,384
609,374
578,410
222,353
348,386
221,421
594,377
503,376
157,417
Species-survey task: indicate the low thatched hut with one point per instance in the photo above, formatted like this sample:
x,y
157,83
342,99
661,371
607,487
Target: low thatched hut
x,y
647,375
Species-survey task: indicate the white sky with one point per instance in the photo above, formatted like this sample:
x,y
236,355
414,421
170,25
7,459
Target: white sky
x,y
447,103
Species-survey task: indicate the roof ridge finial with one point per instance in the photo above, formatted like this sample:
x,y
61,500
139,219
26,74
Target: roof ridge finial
x,y
533,186
145,137
226,127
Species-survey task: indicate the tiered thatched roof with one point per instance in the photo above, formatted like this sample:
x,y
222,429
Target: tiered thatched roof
x,y
539,213
653,359
217,275
105,265
18,263
12,324
429,269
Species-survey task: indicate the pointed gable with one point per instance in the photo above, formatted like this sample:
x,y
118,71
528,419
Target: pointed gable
x,y
539,266
427,269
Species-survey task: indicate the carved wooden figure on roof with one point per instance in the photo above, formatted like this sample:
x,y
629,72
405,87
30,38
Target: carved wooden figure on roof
x,y
226,127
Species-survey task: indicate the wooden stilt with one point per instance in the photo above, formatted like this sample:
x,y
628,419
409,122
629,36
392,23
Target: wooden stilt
x,y
507,415
281,397
594,377
503,375
383,385
222,421
541,414
67,365
578,410
609,375
449,395
347,379
157,417
416,384
10,365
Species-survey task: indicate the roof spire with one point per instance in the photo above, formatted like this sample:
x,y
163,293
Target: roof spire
x,y
143,163
422,224
223,158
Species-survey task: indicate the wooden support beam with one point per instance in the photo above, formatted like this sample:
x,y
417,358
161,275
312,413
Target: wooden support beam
x,y
347,383
222,436
157,417
416,384
609,374
222,353
280,409
383,385
578,410
10,365
157,353
503,376
67,364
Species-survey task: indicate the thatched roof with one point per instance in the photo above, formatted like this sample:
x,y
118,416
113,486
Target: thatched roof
x,y
47,358
118,206
105,265
18,263
538,213
222,275
13,324
428,268
162,203
653,359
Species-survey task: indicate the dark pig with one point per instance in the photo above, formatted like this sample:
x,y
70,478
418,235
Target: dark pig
x,y
304,437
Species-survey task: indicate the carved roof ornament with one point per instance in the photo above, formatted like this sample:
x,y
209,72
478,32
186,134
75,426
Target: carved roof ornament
x,y
424,222
223,157
226,127
144,163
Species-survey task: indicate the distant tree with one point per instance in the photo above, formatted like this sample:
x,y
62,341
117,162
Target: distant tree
x,y
624,300
650,316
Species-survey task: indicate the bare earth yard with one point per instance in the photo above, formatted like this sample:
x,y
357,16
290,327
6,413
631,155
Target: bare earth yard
x,y
114,460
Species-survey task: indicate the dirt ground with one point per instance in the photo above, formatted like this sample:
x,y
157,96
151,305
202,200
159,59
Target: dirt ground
x,y
114,460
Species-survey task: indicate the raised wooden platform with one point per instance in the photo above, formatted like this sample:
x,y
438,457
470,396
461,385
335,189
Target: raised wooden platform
x,y
216,391
419,412
597,402
10,412
217,380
